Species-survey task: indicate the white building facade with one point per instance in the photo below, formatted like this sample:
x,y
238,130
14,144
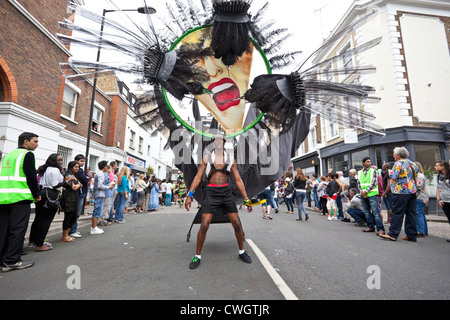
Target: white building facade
x,y
413,73
144,147
412,80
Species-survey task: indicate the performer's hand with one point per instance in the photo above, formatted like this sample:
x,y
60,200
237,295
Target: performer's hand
x,y
249,208
187,203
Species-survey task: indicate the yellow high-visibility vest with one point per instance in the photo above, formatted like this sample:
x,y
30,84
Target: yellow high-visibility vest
x,y
13,182
365,180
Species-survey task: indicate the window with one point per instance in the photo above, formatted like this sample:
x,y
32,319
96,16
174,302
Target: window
x,y
357,158
141,143
341,163
428,154
69,101
332,126
66,155
334,129
327,75
2,92
378,160
93,163
97,117
132,137
125,92
390,153
313,138
301,150
347,61
148,150
352,113
329,164
133,101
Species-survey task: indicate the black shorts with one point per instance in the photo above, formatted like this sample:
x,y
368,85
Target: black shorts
x,y
219,200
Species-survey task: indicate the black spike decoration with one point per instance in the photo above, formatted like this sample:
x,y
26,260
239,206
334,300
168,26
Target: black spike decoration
x,y
230,37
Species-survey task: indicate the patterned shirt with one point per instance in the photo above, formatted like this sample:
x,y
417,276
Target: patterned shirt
x,y
403,177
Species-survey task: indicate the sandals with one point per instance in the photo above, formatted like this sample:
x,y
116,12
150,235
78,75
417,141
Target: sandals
x,y
44,247
67,239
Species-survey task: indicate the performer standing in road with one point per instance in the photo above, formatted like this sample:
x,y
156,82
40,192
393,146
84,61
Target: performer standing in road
x,y
218,198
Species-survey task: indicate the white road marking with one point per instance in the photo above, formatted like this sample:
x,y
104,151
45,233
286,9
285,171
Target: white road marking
x,y
285,290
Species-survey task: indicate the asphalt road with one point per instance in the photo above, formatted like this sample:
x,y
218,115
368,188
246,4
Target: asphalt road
x,y
147,258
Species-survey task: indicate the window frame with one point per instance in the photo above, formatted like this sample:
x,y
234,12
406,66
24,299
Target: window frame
x,y
73,107
141,145
99,109
131,139
347,46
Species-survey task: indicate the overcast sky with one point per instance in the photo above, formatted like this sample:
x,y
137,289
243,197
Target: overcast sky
x,y
308,21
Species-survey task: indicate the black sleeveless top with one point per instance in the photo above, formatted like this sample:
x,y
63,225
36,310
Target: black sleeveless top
x,y
211,169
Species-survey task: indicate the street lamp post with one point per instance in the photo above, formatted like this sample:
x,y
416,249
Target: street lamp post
x,y
143,10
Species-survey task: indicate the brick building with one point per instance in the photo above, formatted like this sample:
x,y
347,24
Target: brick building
x,y
34,95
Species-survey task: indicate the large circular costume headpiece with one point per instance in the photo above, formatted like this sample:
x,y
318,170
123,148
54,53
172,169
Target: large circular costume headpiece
x,y
193,32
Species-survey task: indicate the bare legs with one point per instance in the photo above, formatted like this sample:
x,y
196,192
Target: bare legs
x,y
204,226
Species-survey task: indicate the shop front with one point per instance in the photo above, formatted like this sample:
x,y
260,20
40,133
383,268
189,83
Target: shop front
x,y
424,144
137,165
309,163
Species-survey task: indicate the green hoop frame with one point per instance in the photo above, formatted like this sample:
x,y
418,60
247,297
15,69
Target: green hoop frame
x,y
186,125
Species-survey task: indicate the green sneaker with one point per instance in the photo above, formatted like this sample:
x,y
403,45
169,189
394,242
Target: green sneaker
x,y
194,263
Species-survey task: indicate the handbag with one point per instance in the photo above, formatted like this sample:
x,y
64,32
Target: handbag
x,y
52,198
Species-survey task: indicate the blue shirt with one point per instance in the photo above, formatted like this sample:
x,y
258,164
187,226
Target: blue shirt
x,y
107,183
125,185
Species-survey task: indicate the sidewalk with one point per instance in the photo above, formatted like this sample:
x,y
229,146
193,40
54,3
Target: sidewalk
x,y
437,224
56,225
431,217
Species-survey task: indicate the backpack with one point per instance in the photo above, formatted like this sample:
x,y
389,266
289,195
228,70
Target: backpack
x,y
289,189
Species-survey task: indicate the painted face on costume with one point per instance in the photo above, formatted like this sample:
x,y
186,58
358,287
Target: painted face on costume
x,y
227,85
